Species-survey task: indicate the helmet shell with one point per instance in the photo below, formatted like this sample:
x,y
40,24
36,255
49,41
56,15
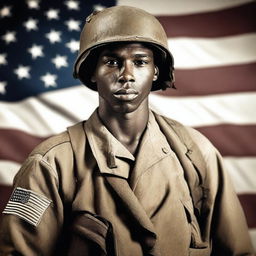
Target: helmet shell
x,y
123,24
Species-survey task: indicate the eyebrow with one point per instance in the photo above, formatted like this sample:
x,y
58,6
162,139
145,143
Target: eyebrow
x,y
142,55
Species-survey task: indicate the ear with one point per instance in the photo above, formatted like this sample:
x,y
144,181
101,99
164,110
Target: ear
x,y
156,73
93,80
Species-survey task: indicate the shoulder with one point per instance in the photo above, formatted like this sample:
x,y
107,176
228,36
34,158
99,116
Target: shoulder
x,y
53,156
51,161
51,144
58,142
188,135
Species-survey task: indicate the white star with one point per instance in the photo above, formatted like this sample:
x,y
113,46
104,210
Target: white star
x,y
49,80
73,45
54,36
33,4
2,87
98,7
72,5
5,11
52,14
3,60
31,24
73,24
60,61
36,51
22,72
9,37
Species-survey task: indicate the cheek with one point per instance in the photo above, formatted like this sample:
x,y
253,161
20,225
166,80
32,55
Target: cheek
x,y
145,79
106,77
112,76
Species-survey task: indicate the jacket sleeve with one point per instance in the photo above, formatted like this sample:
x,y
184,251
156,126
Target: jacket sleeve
x,y
222,219
230,230
27,230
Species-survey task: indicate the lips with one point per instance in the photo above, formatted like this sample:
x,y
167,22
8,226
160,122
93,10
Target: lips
x,y
126,94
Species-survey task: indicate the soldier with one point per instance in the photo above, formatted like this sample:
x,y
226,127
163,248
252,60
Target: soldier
x,y
127,181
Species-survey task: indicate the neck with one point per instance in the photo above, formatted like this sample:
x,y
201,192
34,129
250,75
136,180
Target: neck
x,y
128,128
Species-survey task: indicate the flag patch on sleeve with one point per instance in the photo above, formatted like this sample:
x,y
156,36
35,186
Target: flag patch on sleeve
x,y
27,205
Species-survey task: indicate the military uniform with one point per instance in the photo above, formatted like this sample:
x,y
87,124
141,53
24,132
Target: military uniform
x,y
173,198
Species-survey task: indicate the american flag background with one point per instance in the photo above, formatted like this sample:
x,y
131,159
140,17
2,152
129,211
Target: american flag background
x,y
214,47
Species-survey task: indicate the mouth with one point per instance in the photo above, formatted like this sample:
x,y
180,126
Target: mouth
x,y
126,94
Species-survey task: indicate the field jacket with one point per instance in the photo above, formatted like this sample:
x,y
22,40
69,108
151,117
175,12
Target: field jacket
x,y
81,198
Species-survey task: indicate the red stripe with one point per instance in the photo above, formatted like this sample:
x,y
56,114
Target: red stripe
x,y
232,140
5,192
226,79
233,21
16,145
248,202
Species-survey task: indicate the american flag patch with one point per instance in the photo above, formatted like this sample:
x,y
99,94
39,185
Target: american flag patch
x,y
27,205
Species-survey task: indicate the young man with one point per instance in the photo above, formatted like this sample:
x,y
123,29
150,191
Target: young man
x,y
127,181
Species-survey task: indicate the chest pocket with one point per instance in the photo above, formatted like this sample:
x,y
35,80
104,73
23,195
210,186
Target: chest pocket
x,y
91,235
198,247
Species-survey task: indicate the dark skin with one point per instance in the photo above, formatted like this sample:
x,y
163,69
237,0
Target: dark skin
x,y
124,75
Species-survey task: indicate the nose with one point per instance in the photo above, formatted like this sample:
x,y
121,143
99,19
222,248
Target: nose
x,y
126,73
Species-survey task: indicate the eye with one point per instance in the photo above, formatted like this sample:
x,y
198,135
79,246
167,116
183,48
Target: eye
x,y
112,62
140,62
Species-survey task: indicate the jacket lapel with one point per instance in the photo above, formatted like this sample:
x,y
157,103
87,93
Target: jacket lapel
x,y
130,201
152,149
181,142
189,156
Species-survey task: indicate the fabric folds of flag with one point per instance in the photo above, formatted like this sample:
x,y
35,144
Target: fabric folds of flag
x,y
214,47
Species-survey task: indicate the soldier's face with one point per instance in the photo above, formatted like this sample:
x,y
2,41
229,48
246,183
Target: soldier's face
x,y
124,76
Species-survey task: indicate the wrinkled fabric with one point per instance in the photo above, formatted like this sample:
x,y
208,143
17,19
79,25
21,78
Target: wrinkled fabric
x,y
173,198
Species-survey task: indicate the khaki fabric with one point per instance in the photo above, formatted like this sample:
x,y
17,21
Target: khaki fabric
x,y
173,198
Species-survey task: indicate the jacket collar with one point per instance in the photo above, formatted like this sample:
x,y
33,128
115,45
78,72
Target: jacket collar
x,y
152,149
107,150
113,157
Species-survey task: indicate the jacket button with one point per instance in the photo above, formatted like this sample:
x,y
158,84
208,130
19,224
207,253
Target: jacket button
x,y
190,151
165,150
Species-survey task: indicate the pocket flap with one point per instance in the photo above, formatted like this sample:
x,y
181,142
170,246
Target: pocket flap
x,y
92,227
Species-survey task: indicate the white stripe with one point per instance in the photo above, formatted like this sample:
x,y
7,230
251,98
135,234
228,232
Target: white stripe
x,y
22,217
39,205
49,113
242,171
208,110
33,209
39,200
8,170
79,102
190,53
24,208
25,214
253,237
179,7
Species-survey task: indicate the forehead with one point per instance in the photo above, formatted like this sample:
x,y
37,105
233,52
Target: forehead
x,y
121,48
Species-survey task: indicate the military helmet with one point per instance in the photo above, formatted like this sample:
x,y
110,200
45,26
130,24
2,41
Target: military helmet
x,y
123,24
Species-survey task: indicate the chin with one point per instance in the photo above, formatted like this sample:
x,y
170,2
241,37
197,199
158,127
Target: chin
x,y
125,108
